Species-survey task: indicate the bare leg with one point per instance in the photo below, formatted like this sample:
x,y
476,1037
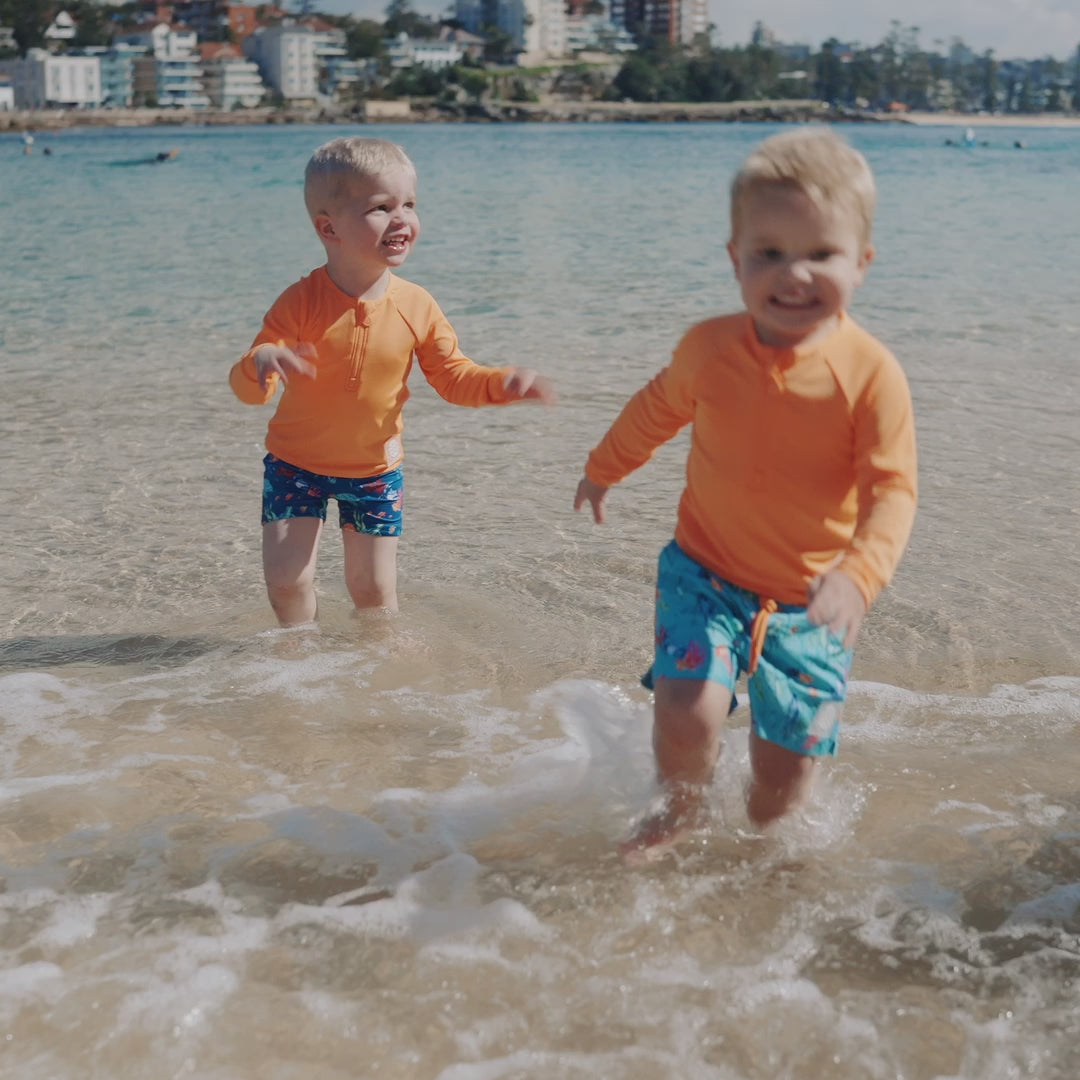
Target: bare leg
x,y
371,569
688,716
782,780
289,550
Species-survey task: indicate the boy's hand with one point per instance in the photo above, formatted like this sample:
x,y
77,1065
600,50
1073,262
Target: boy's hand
x,y
284,361
594,495
523,384
835,600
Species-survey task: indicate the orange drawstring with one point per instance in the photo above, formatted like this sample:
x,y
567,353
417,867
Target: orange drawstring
x,y
757,632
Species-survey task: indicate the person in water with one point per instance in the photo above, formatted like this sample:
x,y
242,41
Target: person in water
x,y
800,488
341,342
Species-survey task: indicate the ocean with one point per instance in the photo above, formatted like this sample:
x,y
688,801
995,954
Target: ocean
x,y
386,847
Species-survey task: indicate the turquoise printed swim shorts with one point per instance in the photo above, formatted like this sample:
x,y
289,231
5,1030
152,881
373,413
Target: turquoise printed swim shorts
x,y
369,504
703,627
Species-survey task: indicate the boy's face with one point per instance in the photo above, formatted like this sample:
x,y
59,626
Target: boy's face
x,y
375,225
798,263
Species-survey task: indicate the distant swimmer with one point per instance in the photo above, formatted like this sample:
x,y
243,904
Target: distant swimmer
x,y
47,151
160,157
28,142
1020,144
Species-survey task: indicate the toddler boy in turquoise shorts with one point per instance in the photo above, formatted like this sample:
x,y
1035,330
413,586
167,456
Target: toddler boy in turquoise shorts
x,y
800,487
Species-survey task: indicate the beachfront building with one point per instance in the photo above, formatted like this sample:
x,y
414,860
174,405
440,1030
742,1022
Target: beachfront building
x,y
43,81
117,71
286,58
676,21
216,20
336,73
472,45
230,79
340,77
406,52
7,94
171,72
596,34
61,30
536,27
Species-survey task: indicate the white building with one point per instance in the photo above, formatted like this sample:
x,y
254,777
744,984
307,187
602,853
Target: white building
x,y
163,41
229,78
693,19
117,71
43,81
286,59
177,71
596,33
536,27
7,94
405,52
543,35
62,28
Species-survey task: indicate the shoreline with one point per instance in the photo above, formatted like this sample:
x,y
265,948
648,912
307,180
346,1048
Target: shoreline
x,y
548,111
1040,120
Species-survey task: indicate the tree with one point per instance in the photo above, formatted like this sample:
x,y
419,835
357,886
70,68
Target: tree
x,y
29,19
638,79
364,38
830,73
988,80
91,27
499,47
401,19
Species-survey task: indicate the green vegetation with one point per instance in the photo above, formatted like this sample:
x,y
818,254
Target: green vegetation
x,y
897,73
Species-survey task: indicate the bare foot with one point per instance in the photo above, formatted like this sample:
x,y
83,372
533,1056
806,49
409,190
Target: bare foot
x,y
683,811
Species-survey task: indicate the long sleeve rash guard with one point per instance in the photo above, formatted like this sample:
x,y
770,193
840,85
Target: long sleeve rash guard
x,y
800,460
346,420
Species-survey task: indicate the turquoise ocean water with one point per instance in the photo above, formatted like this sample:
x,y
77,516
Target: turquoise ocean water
x,y
386,848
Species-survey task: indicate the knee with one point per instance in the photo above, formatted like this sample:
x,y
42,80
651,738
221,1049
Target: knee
x,y
286,584
781,781
685,729
371,593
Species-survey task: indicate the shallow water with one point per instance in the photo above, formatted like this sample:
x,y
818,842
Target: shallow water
x,y
385,848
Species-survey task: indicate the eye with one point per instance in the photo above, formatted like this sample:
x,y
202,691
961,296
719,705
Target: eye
x,y
770,254
411,205
822,256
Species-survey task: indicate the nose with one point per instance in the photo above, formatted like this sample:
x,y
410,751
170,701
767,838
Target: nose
x,y
799,270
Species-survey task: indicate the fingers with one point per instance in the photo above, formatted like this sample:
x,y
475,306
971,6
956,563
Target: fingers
x,y
299,360
525,384
595,496
283,362
542,390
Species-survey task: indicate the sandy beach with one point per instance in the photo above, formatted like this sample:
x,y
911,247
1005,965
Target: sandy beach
x,y
942,119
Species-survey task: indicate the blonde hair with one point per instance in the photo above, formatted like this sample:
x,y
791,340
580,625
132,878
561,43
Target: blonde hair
x,y
334,166
815,161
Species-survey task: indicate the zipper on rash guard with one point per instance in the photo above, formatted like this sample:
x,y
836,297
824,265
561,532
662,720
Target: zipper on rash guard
x,y
356,355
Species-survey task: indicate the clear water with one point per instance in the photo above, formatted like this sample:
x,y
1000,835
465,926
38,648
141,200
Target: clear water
x,y
386,848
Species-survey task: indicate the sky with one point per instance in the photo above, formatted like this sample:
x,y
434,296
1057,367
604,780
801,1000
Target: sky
x,y
1012,28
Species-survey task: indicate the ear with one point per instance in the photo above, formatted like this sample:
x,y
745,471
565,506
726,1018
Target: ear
x,y
865,260
324,228
733,255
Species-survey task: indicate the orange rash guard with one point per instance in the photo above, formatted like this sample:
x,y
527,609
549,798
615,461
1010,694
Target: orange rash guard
x,y
346,421
800,460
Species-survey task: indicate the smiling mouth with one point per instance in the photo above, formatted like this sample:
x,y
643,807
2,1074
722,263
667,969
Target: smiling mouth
x,y
396,243
786,304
